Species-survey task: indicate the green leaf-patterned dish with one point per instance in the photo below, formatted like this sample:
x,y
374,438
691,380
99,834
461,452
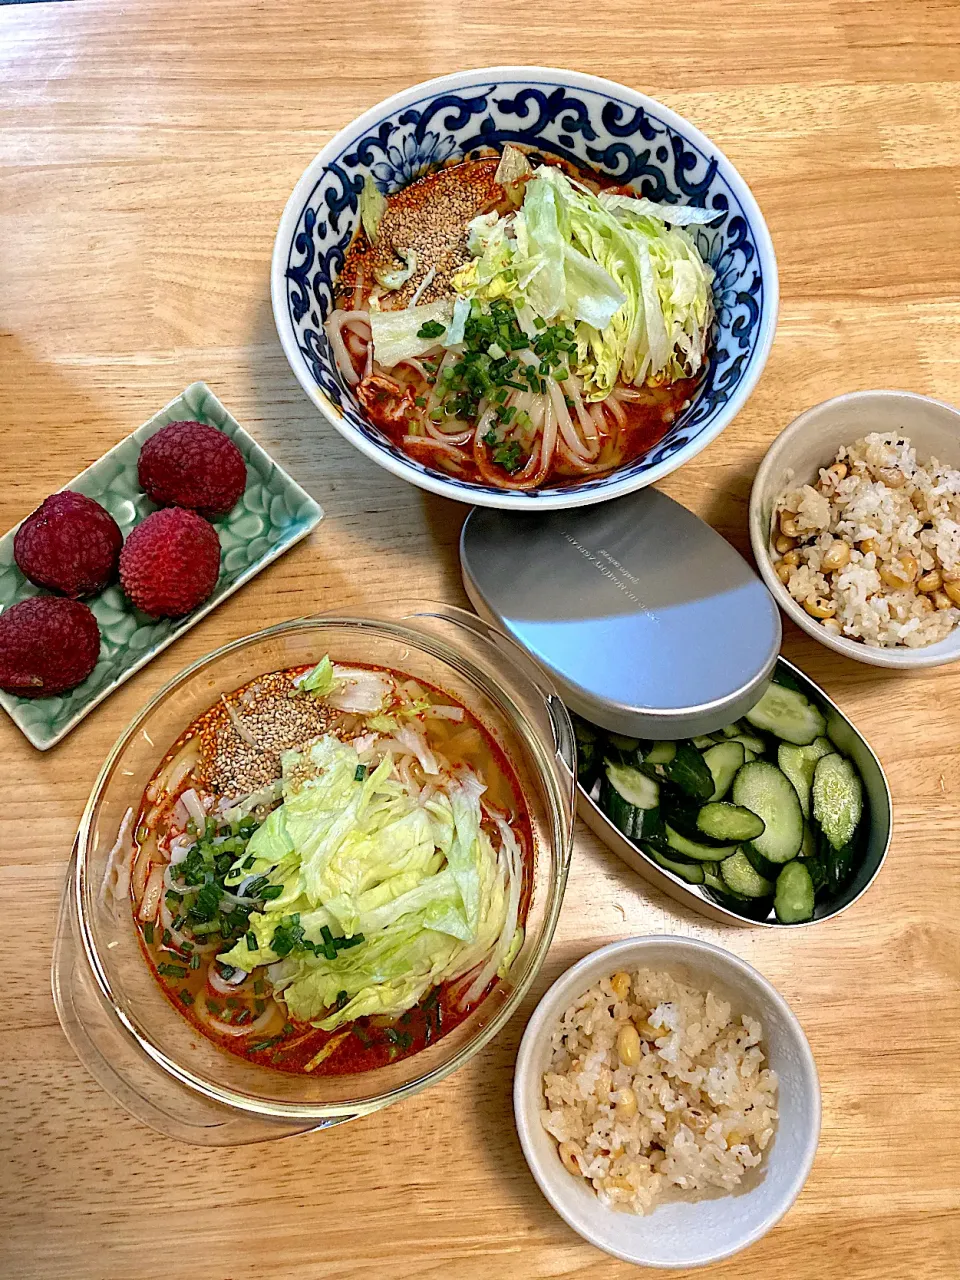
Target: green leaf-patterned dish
x,y
273,514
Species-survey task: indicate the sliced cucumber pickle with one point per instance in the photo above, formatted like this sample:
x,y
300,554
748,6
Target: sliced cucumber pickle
x,y
740,877
722,821
694,849
724,761
788,714
837,799
793,900
692,872
763,789
688,771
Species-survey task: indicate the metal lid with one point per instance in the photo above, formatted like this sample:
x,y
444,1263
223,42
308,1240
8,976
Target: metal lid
x,y
648,621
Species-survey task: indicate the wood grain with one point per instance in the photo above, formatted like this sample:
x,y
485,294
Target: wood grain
x,y
146,152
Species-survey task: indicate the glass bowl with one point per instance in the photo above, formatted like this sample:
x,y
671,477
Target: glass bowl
x,y
111,1006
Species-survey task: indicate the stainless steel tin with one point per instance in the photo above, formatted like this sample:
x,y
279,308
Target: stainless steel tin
x,y
880,816
646,619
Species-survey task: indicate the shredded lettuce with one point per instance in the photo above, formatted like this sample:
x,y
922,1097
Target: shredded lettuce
x,y
396,333
676,215
398,277
373,205
359,690
319,679
418,886
622,270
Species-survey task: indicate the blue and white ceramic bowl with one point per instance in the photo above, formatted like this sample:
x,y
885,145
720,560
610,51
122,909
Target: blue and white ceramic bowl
x,y
592,122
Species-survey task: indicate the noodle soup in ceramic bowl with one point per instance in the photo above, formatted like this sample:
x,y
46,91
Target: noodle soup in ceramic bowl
x,y
317,873
522,287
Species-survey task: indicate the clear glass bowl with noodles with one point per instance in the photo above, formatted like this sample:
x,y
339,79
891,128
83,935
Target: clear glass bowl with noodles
x,y
140,1049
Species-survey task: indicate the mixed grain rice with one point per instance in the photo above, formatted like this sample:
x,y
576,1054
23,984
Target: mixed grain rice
x,y
695,1111
895,524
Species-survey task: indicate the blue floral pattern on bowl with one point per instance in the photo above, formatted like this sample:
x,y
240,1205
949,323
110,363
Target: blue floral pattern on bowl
x,y
590,127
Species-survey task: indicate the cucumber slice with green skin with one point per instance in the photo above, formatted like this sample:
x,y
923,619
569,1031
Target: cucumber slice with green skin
x,y
800,763
654,771
751,743
688,771
800,770
630,800
724,761
712,877
765,791
783,677
702,743
623,743
661,753
583,730
769,870
682,814
733,730
837,864
740,877
818,873
691,872
837,799
808,848
694,849
632,785
793,900
749,757
636,824
788,714
588,752
722,821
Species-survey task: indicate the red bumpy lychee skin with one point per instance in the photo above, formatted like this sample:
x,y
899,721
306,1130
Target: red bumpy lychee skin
x,y
170,563
70,544
48,644
188,464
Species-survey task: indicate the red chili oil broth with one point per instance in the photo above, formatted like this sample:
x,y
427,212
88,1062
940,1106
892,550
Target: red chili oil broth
x,y
368,1042
645,421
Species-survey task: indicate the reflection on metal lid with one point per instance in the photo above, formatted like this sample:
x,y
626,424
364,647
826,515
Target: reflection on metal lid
x,y
647,619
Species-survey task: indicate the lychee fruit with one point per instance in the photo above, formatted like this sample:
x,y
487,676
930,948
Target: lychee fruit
x,y
70,544
188,464
170,563
48,644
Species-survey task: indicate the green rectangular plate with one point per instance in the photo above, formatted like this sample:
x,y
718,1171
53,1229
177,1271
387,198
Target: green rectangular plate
x,y
272,515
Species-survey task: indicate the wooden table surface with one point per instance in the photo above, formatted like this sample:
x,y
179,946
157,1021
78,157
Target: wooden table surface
x,y
146,152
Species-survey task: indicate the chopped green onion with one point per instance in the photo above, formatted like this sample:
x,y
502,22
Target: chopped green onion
x,y
148,933
265,1044
432,329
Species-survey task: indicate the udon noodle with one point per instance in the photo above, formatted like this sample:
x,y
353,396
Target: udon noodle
x,y
442,342
329,870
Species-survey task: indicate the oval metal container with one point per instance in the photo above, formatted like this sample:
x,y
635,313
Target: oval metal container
x,y
877,789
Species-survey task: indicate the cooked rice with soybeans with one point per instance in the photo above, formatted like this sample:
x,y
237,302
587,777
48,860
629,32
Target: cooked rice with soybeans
x,y
872,549
655,1090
